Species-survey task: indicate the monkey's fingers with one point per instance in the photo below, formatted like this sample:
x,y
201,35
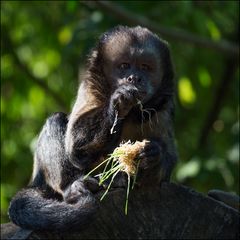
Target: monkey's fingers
x,y
92,184
149,157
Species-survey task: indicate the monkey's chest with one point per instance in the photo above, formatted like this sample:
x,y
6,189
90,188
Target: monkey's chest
x,y
137,132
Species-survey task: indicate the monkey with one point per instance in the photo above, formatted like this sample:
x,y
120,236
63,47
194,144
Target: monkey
x,y
126,93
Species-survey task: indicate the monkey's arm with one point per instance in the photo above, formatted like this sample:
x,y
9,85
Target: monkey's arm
x,y
90,136
97,132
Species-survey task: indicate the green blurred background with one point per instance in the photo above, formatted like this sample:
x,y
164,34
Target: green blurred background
x,y
43,48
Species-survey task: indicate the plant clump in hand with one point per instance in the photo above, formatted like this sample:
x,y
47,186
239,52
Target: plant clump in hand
x,y
124,159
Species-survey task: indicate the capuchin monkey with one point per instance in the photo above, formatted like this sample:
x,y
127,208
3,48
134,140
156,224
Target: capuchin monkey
x,y
126,94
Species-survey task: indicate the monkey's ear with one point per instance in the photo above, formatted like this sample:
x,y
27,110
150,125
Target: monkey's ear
x,y
94,62
95,78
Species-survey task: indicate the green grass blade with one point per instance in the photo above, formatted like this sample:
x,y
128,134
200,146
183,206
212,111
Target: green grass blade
x,y
115,174
108,174
105,168
128,187
135,176
108,159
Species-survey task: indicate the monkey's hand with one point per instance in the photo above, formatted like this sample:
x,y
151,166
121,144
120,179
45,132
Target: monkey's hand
x,y
124,99
153,166
81,188
150,156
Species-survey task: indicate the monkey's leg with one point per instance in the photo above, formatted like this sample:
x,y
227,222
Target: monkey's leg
x,y
31,209
50,158
41,206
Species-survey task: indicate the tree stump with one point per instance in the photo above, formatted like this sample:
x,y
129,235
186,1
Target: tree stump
x,y
168,212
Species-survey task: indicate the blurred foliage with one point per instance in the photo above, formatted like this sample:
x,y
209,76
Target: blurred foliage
x,y
44,43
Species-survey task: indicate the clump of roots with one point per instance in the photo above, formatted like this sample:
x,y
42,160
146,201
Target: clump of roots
x,y
123,158
148,111
127,153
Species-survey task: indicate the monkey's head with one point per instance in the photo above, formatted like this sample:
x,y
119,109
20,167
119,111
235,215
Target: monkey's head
x,y
133,56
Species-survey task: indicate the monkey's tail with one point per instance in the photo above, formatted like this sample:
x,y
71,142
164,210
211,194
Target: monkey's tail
x,y
30,210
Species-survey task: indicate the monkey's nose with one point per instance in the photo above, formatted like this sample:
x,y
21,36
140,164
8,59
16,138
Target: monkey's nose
x,y
134,79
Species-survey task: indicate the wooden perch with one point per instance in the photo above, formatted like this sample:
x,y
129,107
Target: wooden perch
x,y
167,212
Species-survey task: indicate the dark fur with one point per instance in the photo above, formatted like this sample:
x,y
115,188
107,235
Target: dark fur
x,y
68,147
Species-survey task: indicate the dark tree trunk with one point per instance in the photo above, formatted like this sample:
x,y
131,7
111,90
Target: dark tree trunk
x,y
167,212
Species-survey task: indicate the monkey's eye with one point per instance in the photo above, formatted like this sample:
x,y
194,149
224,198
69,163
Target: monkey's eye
x,y
124,66
145,67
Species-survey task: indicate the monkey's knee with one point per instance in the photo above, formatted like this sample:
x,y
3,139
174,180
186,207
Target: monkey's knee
x,y
57,122
50,144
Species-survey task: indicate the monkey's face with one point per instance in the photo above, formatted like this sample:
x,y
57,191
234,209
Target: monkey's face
x,y
133,61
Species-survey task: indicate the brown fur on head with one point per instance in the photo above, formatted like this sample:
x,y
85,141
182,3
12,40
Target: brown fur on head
x,y
117,46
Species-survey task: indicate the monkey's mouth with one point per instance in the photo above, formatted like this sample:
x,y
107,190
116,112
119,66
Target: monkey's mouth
x,y
143,95
140,94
